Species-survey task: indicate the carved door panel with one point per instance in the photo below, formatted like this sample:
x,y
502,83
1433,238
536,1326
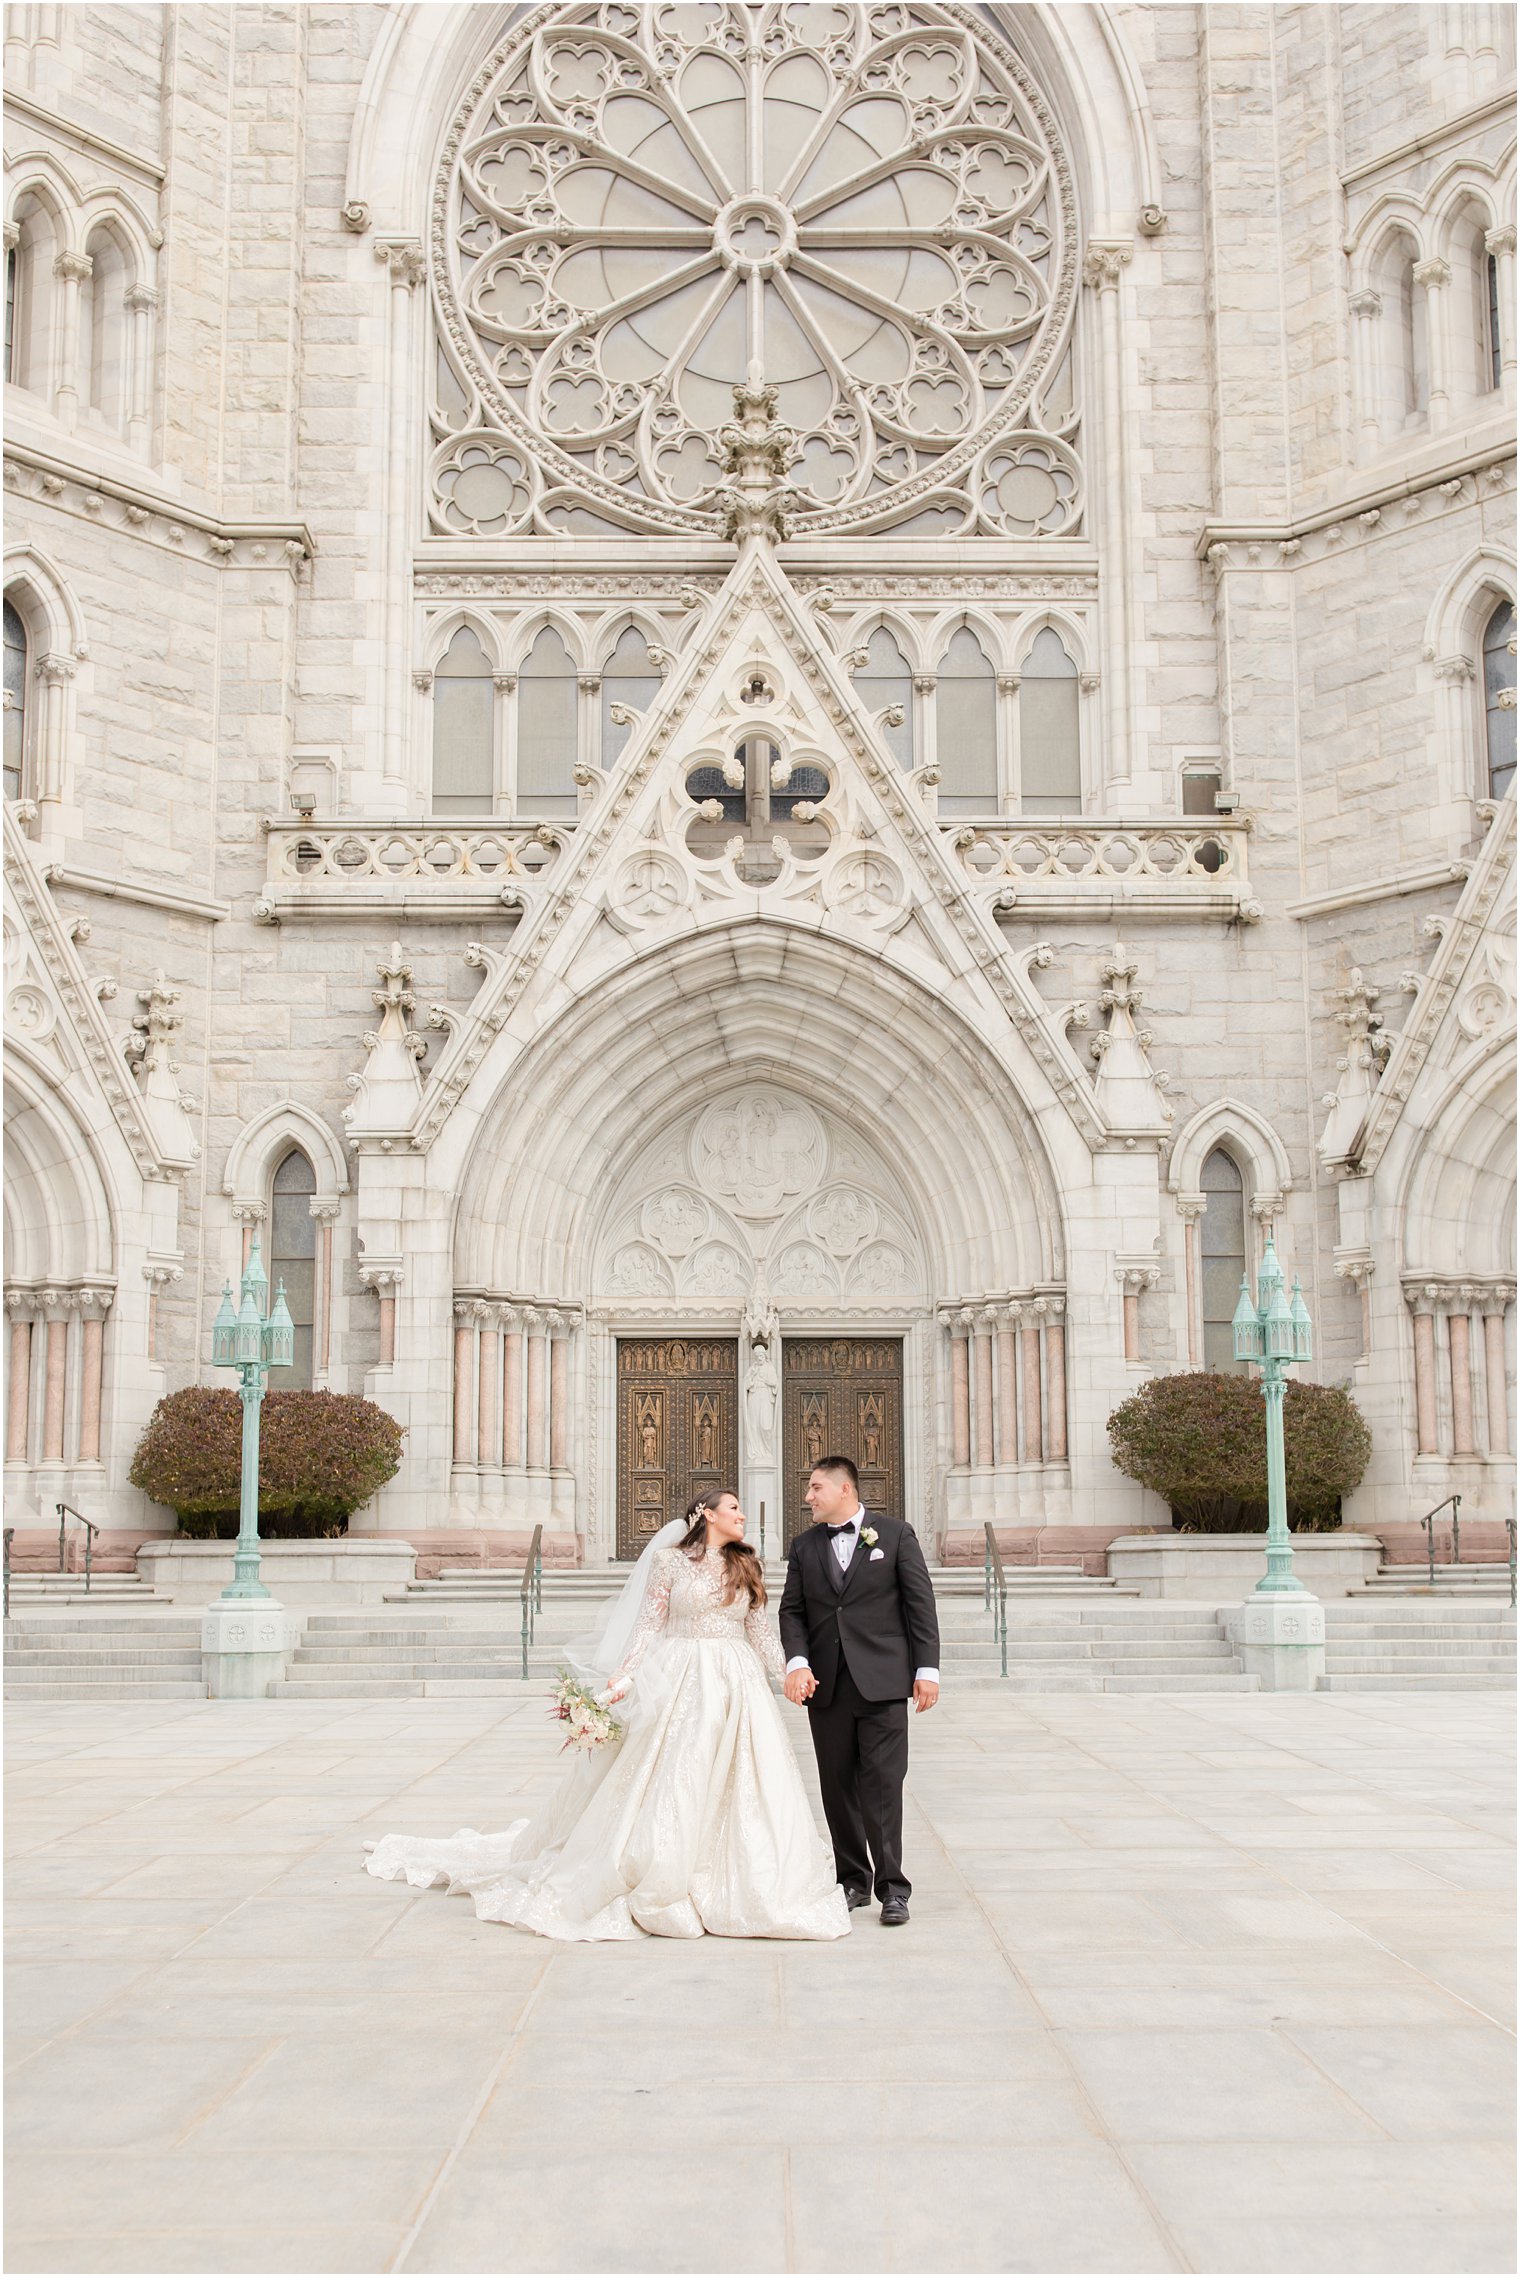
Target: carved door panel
x,y
842,1395
678,1428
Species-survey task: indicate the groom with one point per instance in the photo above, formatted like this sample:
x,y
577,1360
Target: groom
x,y
859,1631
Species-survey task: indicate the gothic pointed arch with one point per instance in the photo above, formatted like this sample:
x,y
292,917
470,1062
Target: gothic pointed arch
x,y
1251,1140
262,1144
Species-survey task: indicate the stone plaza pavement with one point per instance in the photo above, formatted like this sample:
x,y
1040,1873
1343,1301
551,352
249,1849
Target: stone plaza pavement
x,y
1200,1983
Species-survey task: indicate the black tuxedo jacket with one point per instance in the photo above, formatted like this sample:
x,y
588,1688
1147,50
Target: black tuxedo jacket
x,y
877,1620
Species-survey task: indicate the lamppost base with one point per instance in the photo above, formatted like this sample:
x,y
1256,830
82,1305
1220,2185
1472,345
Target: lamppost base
x,y
1280,1639
245,1645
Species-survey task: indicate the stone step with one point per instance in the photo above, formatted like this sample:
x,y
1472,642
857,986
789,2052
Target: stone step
x,y
1446,1663
1399,1680
122,1655
63,1689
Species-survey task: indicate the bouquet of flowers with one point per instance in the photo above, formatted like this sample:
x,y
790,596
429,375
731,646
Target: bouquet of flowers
x,y
591,1723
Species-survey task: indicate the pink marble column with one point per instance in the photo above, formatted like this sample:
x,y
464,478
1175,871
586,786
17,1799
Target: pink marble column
x,y
18,1407
1055,1390
538,1402
387,1294
1494,1379
981,1349
512,1393
92,1373
1427,1437
324,1213
1131,1317
1007,1394
55,1378
1029,1356
559,1402
466,1449
960,1399
490,1387
1459,1353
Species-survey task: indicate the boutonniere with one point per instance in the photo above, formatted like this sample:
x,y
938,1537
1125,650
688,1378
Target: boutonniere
x,y
869,1536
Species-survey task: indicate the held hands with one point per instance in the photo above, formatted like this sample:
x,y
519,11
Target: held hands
x,y
800,1686
924,1696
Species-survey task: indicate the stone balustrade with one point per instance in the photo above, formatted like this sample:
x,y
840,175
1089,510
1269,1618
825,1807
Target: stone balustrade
x,y
321,867
1116,866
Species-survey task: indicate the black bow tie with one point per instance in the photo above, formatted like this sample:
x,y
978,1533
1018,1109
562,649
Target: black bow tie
x,y
847,1528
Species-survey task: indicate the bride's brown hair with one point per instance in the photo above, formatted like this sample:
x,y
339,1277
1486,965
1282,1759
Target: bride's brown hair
x,y
741,1567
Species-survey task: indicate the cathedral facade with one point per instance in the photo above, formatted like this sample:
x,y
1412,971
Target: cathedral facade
x,y
756,724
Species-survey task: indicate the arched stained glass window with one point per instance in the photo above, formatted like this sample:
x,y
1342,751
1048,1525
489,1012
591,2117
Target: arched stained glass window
x,y
628,677
293,1260
965,728
546,728
463,728
1499,683
1050,766
15,701
885,679
1222,1248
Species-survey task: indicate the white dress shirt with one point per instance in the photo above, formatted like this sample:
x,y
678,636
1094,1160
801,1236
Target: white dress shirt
x,y
844,1546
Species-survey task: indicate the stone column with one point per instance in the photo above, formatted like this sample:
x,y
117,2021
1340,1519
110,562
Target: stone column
x,y
981,1354
1007,1390
140,301
72,270
1501,244
1190,1212
408,266
960,1393
1422,1302
1433,277
1366,371
1029,1355
53,674
1055,1380
925,735
323,1213
466,1440
1103,267
1010,749
19,1303
538,1393
159,1276
489,1346
559,1394
94,1304
385,1280
55,1309
1494,1303
1459,1356
511,1388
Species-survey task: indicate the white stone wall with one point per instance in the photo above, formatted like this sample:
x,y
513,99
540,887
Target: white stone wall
x,y
1258,586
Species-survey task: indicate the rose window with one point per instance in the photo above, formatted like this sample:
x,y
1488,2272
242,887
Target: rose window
x,y
866,207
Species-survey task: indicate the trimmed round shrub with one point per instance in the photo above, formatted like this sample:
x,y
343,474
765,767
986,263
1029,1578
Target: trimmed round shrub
x,y
1200,1442
321,1454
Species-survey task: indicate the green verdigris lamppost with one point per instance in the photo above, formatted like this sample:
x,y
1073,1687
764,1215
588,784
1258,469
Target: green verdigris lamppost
x,y
245,1339
245,1633
1279,1632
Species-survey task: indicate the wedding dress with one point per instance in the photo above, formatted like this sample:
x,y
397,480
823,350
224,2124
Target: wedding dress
x,y
695,1822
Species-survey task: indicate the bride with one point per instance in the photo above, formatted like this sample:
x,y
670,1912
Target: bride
x,y
695,1822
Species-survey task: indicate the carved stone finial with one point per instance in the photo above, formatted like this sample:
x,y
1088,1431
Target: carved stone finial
x,y
387,1091
149,1047
1358,1068
1126,1087
756,498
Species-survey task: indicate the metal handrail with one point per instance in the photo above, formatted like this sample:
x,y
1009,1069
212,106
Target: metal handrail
x,y
996,1580
1453,1503
532,1592
10,1535
65,1513
1509,1528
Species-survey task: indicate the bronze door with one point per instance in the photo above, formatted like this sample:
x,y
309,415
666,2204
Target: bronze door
x,y
842,1395
678,1428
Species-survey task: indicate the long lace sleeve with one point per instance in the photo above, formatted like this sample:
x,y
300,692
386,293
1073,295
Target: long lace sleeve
x,y
653,1615
765,1640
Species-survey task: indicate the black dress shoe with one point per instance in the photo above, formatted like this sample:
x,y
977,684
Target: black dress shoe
x,y
894,1913
855,1899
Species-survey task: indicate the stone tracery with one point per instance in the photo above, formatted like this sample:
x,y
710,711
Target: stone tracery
x,y
868,209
